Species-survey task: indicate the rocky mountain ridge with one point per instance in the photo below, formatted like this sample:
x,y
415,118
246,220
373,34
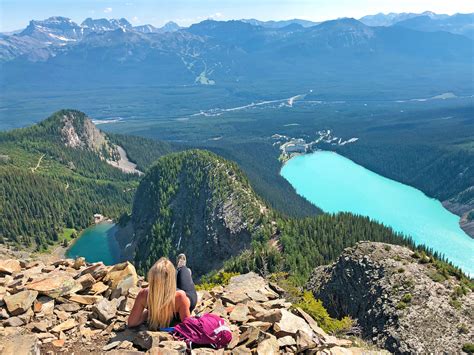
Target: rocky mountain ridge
x,y
393,18
402,301
42,39
237,52
65,306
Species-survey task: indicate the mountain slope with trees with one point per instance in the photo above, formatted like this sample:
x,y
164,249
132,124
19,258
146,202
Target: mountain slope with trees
x,y
55,176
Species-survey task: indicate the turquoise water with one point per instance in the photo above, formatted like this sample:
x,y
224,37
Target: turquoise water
x,y
97,243
335,184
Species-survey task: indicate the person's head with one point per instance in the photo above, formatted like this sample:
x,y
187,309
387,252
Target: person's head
x,y
161,294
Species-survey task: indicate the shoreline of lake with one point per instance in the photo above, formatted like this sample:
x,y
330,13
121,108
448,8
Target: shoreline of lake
x,y
337,184
105,247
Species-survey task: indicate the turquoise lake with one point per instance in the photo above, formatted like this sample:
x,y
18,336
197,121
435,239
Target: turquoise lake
x,y
337,184
97,243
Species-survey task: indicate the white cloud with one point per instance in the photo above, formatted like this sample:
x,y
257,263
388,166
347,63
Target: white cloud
x,y
135,19
108,10
190,20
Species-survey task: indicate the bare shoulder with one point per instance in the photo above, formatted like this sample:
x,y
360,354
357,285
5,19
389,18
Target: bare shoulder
x,y
181,297
142,296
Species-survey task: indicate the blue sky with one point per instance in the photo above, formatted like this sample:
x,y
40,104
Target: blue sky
x,y
15,14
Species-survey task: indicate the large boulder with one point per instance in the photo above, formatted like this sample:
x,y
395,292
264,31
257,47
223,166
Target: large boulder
x,y
121,278
290,324
55,285
9,266
269,346
20,344
20,302
105,310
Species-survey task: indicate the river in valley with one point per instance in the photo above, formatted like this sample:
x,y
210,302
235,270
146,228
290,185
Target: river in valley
x,y
97,243
337,184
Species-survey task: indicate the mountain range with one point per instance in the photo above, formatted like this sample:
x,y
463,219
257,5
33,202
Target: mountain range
x,y
392,18
57,52
427,21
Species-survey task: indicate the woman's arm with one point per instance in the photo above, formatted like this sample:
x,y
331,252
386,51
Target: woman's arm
x,y
183,304
138,314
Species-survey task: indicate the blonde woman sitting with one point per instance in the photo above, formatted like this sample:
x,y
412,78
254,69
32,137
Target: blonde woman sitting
x,y
170,296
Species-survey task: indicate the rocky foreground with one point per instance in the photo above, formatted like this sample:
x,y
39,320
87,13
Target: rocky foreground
x,y
400,300
70,306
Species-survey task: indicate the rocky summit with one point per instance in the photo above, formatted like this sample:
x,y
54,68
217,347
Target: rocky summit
x,y
401,299
70,306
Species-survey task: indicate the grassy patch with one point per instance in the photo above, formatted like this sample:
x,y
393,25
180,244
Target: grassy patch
x,y
316,310
455,303
468,348
463,328
307,302
407,298
68,234
401,305
436,276
409,283
220,278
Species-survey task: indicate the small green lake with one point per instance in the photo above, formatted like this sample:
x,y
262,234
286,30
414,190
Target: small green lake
x,y
97,243
337,184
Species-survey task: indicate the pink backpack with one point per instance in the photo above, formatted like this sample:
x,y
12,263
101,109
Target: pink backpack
x,y
207,329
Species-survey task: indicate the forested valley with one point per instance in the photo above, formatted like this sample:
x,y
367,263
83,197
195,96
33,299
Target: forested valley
x,y
48,187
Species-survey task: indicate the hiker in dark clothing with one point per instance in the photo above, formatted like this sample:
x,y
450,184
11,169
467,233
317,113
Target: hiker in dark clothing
x,y
170,296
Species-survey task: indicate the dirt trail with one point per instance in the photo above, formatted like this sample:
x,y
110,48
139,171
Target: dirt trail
x,y
38,164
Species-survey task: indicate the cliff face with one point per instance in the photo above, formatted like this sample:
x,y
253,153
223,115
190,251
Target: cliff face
x,y
395,299
78,131
197,203
66,306
463,205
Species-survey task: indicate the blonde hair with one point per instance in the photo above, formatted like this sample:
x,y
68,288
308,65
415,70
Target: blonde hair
x,y
161,294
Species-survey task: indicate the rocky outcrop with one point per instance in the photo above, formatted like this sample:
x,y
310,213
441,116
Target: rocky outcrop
x,y
79,132
463,209
463,205
88,312
395,300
